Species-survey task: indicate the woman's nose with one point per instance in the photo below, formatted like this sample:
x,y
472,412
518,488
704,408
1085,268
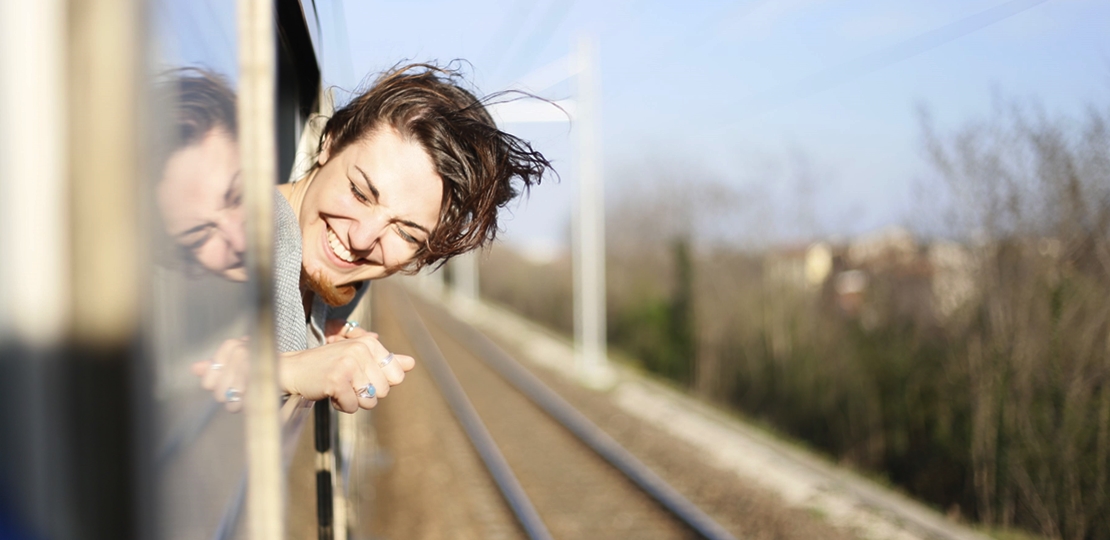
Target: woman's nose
x,y
365,231
233,227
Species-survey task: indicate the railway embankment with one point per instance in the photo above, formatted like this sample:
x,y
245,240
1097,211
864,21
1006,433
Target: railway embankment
x,y
752,481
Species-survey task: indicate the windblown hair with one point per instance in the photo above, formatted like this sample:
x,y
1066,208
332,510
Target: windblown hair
x,y
482,167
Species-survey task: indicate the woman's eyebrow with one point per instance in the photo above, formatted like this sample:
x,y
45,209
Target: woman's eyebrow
x,y
413,225
369,184
192,230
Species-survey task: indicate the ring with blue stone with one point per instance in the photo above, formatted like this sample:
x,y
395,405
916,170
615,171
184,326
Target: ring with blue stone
x,y
367,392
347,327
232,395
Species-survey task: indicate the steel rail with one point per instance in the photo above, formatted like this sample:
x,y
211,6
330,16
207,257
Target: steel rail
x,y
586,431
464,411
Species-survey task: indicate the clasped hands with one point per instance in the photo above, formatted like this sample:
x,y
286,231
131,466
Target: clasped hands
x,y
340,370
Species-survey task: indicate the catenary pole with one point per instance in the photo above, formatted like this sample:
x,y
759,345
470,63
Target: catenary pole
x,y
589,260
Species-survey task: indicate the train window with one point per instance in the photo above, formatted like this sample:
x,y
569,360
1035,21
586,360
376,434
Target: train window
x,y
130,379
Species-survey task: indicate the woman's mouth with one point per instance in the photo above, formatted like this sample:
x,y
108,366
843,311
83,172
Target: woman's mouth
x,y
338,248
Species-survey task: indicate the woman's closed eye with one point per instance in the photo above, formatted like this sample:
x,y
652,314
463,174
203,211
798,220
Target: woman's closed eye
x,y
406,236
234,196
358,194
196,237
234,199
402,229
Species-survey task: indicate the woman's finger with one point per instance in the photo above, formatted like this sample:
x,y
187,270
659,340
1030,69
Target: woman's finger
x,y
372,365
201,367
225,354
345,400
343,328
230,393
384,359
224,389
228,383
237,372
353,333
393,371
393,366
358,331
367,397
406,362
378,379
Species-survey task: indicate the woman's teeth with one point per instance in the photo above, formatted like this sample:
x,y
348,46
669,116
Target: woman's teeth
x,y
337,247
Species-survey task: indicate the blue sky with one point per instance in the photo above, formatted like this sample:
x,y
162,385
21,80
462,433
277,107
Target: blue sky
x,y
737,91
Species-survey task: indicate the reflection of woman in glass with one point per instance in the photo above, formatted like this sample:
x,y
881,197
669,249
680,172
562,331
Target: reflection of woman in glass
x,y
199,199
198,193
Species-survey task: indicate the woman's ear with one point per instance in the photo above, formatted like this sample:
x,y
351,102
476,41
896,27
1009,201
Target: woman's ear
x,y
325,153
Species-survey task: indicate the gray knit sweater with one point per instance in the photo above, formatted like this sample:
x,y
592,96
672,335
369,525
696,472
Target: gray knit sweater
x,y
289,318
294,333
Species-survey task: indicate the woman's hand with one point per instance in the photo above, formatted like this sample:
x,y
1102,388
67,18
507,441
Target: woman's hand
x,y
225,374
342,369
340,329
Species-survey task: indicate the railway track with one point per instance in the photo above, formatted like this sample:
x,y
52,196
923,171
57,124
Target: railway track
x,y
560,475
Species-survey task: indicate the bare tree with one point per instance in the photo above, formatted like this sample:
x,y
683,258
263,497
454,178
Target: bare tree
x,y
1034,191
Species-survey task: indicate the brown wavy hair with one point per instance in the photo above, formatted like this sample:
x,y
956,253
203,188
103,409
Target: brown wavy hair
x,y
482,167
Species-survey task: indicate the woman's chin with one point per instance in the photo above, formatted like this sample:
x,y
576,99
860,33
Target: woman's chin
x,y
332,294
236,274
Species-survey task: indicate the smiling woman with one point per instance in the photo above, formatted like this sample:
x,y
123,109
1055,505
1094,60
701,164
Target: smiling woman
x,y
410,173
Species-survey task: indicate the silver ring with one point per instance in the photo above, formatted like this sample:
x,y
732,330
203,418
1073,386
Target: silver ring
x,y
368,391
386,361
216,366
232,395
348,326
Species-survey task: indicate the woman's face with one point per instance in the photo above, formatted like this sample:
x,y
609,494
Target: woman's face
x,y
200,198
368,209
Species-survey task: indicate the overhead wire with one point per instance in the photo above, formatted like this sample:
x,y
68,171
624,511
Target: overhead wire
x,y
512,26
845,72
556,13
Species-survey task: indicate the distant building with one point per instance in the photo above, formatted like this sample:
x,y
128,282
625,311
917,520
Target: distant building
x,y
849,287
884,275
953,277
818,264
803,268
891,246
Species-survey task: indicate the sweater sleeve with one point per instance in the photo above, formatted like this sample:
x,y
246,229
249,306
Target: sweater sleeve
x,y
289,319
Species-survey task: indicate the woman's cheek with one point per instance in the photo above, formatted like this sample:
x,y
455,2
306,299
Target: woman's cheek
x,y
208,257
400,252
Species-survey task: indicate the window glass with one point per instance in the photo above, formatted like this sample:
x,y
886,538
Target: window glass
x,y
199,302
